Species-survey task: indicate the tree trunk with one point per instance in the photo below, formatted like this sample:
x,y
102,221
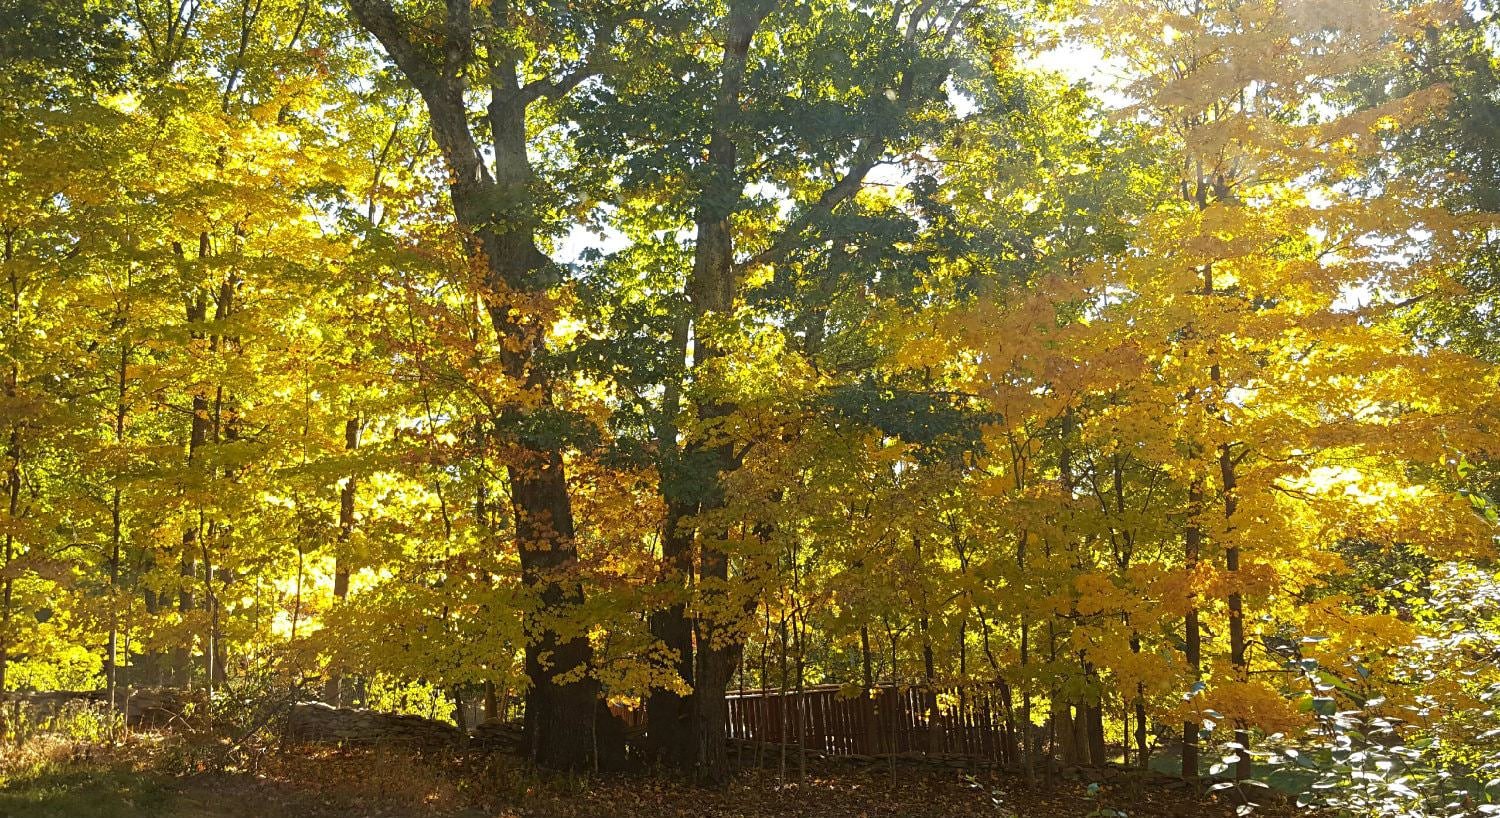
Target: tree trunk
x,y
1237,656
491,702
1098,752
496,216
1227,483
710,290
560,716
12,483
112,648
668,713
870,711
13,509
1028,754
333,692
1141,757
198,429
1193,539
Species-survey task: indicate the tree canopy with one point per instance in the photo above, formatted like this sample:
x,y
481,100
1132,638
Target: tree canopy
x,y
1134,361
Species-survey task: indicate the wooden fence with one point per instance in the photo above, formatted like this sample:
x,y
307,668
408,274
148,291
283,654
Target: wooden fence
x,y
841,721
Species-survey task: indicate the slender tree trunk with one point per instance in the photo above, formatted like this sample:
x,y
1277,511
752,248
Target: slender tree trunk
x,y
867,673
896,708
1237,655
781,704
1193,540
934,732
13,509
198,430
1141,751
1028,755
216,578
333,692
112,649
1227,484
868,701
12,478
765,685
799,631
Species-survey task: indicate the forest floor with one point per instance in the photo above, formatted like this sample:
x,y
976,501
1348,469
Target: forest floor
x,y
146,779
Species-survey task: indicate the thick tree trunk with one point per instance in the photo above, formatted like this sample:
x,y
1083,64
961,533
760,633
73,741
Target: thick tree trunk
x,y
1065,737
669,714
1098,753
710,291
560,729
495,214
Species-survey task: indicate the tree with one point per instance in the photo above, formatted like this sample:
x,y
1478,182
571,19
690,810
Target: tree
x,y
496,206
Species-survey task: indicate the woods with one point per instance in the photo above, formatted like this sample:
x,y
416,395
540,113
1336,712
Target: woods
x,y
1114,383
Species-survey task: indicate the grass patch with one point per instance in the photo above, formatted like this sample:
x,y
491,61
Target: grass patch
x,y
84,791
53,776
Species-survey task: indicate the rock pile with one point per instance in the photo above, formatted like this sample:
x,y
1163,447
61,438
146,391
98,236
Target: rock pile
x,y
316,722
147,708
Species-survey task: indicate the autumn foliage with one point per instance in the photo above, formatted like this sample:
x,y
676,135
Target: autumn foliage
x,y
513,359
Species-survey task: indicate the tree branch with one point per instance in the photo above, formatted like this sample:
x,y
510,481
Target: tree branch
x,y
867,156
381,20
441,87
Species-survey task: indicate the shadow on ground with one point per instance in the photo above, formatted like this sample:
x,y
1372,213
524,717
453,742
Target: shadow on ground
x,y
91,792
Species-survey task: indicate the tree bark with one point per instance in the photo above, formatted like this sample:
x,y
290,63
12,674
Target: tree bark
x,y
494,212
112,647
333,688
198,429
12,476
13,510
1193,648
1098,752
668,713
1141,751
710,291
711,288
1237,655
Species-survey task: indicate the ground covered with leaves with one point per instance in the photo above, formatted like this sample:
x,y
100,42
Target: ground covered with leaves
x,y
151,778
